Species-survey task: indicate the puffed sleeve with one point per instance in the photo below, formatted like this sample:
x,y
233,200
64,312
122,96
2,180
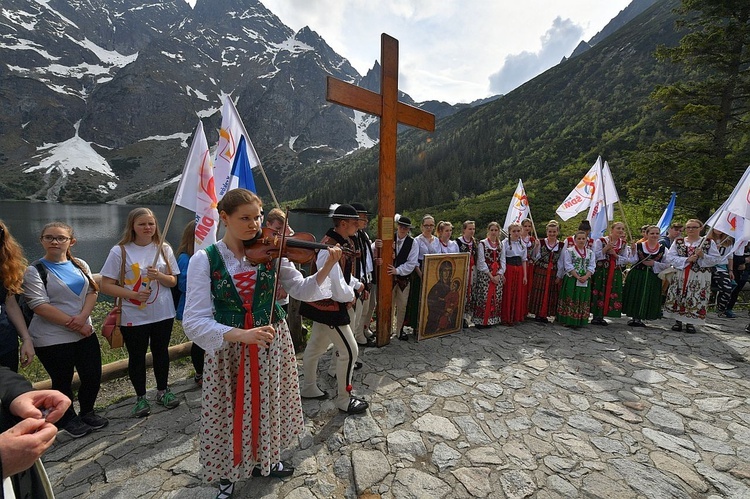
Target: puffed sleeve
x,y
673,259
33,288
711,258
481,263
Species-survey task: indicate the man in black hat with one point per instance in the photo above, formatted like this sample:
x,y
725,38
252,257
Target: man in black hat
x,y
331,317
405,260
366,273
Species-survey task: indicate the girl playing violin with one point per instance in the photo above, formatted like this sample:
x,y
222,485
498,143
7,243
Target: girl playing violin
x,y
250,382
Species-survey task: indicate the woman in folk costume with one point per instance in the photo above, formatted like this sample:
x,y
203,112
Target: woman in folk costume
x,y
467,243
641,295
488,286
527,236
445,230
515,297
577,266
612,254
545,284
689,292
251,407
428,244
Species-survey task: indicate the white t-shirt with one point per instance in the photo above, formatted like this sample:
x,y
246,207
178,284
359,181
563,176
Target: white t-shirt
x,y
160,305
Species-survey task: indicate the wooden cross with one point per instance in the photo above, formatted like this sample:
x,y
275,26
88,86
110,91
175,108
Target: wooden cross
x,y
391,112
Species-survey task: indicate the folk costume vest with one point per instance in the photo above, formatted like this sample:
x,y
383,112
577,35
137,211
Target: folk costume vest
x,y
328,311
400,258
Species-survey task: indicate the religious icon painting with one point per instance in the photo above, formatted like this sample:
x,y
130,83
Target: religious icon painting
x,y
443,294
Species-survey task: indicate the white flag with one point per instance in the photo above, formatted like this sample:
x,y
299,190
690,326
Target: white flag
x,y
610,191
196,190
232,129
580,198
598,213
739,201
519,209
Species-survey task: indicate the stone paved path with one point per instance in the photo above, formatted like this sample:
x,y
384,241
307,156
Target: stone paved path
x,y
532,411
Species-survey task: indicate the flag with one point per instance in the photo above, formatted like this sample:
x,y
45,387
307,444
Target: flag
x,y
598,212
242,174
666,218
232,130
580,198
196,190
739,201
610,191
519,208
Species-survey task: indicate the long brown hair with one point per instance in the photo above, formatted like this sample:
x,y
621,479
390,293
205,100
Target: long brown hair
x,y
128,234
12,262
75,261
187,243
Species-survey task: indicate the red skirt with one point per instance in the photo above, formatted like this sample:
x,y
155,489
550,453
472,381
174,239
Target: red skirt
x,y
515,295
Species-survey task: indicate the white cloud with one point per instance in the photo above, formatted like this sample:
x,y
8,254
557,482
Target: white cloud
x,y
558,42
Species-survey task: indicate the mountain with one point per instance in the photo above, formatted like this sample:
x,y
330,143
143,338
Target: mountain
x,y
98,98
547,131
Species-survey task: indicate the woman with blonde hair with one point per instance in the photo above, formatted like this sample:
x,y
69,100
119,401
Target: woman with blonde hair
x,y
61,291
12,324
515,294
147,305
545,284
641,295
690,289
444,231
487,295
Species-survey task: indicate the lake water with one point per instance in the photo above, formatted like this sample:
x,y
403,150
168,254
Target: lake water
x,y
99,227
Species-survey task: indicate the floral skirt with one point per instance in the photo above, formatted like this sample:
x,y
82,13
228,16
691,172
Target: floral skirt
x,y
281,418
486,306
539,292
688,302
641,295
574,304
599,291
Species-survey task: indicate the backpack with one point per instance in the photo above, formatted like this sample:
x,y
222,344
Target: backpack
x,y
28,312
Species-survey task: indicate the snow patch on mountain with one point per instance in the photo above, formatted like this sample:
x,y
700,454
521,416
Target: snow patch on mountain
x,y
24,19
179,135
362,121
23,44
109,57
45,4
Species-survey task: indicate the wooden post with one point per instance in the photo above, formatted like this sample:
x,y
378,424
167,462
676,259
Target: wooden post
x,y
391,112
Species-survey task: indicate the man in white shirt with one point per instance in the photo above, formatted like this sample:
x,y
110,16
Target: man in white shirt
x,y
405,259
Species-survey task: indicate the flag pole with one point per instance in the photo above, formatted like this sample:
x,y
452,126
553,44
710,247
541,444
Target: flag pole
x,y
533,225
260,165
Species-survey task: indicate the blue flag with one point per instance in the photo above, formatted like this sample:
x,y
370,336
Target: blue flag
x,y
666,218
242,174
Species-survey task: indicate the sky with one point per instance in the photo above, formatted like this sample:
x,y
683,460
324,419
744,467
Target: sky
x,y
453,50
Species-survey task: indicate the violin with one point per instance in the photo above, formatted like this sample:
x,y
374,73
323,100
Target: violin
x,y
299,248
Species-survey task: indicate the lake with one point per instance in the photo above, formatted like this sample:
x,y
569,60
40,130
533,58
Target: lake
x,y
98,227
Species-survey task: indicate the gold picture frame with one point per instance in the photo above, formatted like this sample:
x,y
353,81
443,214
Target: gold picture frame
x,y
443,296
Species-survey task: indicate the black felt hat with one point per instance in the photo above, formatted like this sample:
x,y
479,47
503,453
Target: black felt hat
x,y
345,211
405,221
360,208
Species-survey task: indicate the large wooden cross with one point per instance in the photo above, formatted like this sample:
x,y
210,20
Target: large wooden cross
x,y
391,112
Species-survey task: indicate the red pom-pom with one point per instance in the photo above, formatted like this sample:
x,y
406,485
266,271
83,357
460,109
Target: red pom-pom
x,y
349,388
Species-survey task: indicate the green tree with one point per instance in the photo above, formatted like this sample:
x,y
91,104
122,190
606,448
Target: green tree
x,y
707,108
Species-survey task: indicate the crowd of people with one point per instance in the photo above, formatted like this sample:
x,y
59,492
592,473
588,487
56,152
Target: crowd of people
x,y
234,309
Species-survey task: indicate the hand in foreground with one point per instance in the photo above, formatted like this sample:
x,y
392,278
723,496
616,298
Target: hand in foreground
x,y
334,253
262,336
31,404
24,443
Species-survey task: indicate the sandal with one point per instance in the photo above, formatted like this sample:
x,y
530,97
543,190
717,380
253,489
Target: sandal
x,y
677,326
356,406
226,489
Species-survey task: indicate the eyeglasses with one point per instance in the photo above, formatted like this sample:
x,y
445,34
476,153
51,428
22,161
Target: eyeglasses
x,y
59,239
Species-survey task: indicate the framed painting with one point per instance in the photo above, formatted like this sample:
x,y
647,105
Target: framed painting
x,y
441,305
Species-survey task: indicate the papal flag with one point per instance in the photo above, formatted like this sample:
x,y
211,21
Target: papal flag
x,y
196,191
598,214
580,198
232,131
519,209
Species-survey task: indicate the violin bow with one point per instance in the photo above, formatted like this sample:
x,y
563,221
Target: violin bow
x,y
278,266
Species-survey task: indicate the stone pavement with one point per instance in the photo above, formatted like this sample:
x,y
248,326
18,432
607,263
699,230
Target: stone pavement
x,y
532,411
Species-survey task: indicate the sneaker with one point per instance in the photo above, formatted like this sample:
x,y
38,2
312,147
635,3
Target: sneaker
x,y
76,428
142,408
198,378
728,313
167,399
94,421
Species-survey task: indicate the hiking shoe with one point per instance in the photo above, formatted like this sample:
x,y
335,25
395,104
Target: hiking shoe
x,y
167,399
142,408
76,428
94,420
